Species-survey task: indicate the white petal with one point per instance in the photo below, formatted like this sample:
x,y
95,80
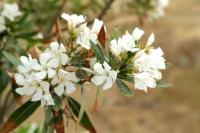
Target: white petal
x,y
98,79
106,66
44,58
62,73
137,33
59,90
24,60
37,96
50,101
64,59
62,48
108,84
51,72
35,65
113,74
71,76
41,75
29,90
54,46
20,91
53,63
98,68
70,87
20,80
45,85
97,26
151,40
47,97
55,80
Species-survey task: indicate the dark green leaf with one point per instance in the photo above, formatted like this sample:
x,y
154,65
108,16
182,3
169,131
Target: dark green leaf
x,y
20,115
47,127
81,74
4,79
58,103
168,65
124,89
85,121
163,84
98,52
11,58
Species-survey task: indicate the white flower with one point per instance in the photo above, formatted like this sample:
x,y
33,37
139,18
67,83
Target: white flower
x,y
153,60
104,77
116,47
64,80
2,24
148,65
28,64
48,66
87,35
73,20
159,6
38,89
137,34
11,11
143,80
57,54
124,44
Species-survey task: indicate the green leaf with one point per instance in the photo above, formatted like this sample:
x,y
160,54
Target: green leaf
x,y
163,84
98,52
85,121
124,89
47,127
4,79
58,103
81,74
20,115
168,65
11,58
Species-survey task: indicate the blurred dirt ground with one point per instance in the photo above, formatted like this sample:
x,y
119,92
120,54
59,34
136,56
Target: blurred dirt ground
x,y
173,110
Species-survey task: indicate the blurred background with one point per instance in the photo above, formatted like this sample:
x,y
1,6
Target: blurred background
x,y
171,110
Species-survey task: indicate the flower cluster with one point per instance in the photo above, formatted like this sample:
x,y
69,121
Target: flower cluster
x,y
9,12
159,6
127,59
151,8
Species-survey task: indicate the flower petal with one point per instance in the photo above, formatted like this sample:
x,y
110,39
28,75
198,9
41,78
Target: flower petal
x,y
98,79
51,72
37,96
54,46
98,68
151,39
64,59
108,84
70,87
59,90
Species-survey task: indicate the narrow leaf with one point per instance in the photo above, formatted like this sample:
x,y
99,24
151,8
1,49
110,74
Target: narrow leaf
x,y
19,116
4,79
98,52
124,89
85,121
11,58
163,84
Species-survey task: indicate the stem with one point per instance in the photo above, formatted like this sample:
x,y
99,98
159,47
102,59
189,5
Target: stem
x,y
59,125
